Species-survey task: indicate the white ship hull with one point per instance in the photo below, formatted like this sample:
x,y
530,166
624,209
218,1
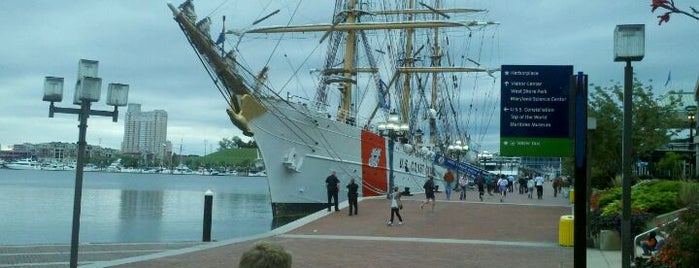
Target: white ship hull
x,y
23,165
300,147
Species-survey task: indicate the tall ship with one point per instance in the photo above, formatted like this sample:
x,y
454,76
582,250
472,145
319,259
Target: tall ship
x,y
397,92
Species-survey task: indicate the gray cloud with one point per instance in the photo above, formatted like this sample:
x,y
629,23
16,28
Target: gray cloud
x,y
138,43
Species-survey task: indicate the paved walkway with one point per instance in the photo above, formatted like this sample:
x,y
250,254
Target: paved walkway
x,y
518,232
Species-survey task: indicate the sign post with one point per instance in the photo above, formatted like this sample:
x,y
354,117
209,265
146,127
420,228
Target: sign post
x,y
536,111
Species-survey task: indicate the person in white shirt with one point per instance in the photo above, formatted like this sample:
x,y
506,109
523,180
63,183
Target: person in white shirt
x,y
530,187
510,183
539,183
502,186
396,206
463,184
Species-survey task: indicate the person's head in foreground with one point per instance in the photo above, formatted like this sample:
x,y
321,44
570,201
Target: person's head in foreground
x,y
265,254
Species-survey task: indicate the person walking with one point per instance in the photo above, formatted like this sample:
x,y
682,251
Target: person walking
x,y
396,206
480,181
556,186
530,187
502,186
510,183
539,184
522,182
429,192
352,195
332,185
463,184
489,183
448,183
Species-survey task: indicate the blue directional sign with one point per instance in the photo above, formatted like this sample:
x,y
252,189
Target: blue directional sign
x,y
535,110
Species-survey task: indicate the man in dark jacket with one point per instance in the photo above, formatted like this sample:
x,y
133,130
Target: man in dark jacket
x,y
429,192
480,181
332,183
352,195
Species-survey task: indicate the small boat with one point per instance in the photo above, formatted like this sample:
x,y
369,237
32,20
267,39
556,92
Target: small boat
x,y
260,173
182,170
24,164
53,167
91,168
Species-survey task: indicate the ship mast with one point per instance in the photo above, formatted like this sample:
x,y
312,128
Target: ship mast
x,y
408,62
436,61
350,50
350,24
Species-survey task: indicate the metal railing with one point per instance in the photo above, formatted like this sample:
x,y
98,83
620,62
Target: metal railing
x,y
644,234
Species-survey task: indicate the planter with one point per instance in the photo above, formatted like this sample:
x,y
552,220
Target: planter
x,y
609,240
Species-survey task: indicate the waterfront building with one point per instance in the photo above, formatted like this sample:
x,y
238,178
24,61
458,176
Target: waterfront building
x,y
55,152
145,133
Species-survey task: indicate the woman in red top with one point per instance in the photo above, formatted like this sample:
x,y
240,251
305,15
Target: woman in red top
x,y
448,180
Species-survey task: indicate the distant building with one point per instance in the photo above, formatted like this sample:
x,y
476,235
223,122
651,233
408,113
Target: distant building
x,y
145,133
55,152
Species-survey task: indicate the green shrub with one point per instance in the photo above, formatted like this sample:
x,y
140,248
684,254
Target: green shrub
x,y
665,186
656,197
608,196
658,203
612,208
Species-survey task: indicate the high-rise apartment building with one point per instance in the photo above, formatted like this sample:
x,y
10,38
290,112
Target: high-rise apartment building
x,y
145,133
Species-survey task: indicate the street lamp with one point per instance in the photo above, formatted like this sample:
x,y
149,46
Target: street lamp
x,y
692,119
457,149
162,158
87,90
393,129
629,45
691,116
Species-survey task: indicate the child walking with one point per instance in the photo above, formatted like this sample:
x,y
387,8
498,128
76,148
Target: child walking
x,y
396,206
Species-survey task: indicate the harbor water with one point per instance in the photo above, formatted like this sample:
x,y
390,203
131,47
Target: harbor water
x,y
36,207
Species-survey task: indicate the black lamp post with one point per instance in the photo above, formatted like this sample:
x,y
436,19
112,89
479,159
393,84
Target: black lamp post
x,y
87,90
692,119
457,149
392,129
629,45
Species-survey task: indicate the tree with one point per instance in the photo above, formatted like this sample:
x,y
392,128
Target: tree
x,y
652,117
235,142
227,143
672,163
129,160
250,144
670,7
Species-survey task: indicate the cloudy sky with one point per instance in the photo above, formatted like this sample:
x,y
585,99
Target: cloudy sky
x,y
138,43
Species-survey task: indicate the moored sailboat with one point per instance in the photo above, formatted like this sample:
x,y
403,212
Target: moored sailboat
x,y
302,142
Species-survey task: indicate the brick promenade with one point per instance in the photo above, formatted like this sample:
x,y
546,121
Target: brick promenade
x,y
519,232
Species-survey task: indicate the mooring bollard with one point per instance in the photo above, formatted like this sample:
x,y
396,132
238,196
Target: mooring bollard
x,y
208,203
